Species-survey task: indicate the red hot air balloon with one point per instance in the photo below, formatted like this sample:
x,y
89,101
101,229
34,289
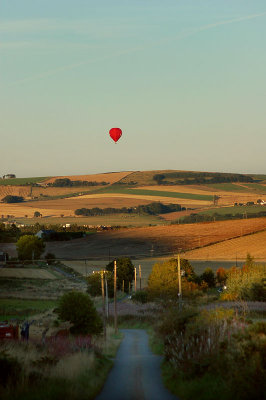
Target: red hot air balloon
x,y
115,134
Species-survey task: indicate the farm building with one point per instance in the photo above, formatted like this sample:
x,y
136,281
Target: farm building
x,y
9,176
44,233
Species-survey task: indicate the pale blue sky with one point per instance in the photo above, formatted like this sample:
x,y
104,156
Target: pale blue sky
x,y
184,79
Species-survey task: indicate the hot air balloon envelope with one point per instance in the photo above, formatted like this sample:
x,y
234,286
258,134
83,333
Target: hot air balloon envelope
x,y
115,134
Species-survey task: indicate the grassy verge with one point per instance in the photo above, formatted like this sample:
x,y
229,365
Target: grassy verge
x,y
207,387
39,374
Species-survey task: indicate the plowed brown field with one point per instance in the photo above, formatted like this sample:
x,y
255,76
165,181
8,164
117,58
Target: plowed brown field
x,y
233,249
110,177
147,241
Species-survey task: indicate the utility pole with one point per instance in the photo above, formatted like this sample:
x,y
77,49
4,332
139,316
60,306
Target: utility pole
x,y
115,308
104,316
179,282
107,301
135,274
139,277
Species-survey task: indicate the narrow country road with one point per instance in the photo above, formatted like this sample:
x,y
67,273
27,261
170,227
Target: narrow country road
x,y
136,372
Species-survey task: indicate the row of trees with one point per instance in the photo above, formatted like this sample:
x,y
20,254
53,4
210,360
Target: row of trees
x,y
154,208
11,233
12,199
194,218
162,282
193,178
65,182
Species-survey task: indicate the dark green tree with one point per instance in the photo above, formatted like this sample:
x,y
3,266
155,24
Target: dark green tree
x,y
30,247
12,199
49,257
125,272
78,308
188,269
158,178
208,277
249,260
94,284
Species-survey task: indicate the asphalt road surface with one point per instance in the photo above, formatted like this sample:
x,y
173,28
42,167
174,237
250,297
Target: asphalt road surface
x,y
136,372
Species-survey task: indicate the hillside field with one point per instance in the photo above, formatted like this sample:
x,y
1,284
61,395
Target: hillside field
x,y
110,177
126,189
254,244
26,273
106,220
22,181
149,241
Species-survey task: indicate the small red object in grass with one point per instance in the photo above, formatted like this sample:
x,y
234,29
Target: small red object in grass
x,y
115,134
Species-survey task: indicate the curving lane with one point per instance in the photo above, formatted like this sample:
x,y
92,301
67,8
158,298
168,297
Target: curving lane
x,y
136,373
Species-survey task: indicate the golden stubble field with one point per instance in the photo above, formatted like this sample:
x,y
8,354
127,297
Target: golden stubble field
x,y
238,248
110,177
23,191
67,206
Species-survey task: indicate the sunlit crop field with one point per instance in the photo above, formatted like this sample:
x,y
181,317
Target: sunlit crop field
x,y
232,249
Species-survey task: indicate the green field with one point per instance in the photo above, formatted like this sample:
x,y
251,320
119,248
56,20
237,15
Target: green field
x,y
234,210
258,177
157,193
21,181
21,309
228,187
256,187
231,187
112,220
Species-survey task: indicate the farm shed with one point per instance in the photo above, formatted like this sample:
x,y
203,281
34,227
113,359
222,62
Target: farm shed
x,y
9,176
44,233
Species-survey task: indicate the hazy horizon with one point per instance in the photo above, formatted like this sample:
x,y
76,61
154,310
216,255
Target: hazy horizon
x,y
184,80
146,170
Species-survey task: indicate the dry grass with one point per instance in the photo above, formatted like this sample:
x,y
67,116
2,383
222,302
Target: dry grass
x,y
73,365
26,273
230,249
59,191
110,177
